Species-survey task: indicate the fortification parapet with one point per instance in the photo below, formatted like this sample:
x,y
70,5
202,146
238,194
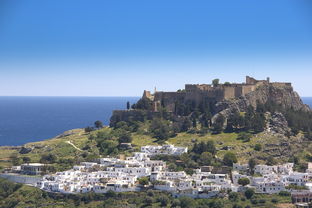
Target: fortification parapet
x,y
198,93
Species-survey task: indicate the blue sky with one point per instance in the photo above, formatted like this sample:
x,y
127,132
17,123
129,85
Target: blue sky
x,y
120,47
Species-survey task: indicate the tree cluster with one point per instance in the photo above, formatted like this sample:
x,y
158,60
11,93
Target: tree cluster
x,y
252,120
109,142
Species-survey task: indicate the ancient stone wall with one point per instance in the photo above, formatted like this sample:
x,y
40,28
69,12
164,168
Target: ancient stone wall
x,y
238,91
229,92
247,89
199,92
281,84
147,94
250,80
168,100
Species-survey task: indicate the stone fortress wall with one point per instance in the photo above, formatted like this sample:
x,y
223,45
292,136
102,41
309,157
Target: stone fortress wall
x,y
198,92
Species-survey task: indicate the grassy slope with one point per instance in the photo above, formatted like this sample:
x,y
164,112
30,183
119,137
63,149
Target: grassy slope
x,y
59,146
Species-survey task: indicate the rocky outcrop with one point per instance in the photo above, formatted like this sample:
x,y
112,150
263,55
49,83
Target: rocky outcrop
x,y
25,150
284,96
277,123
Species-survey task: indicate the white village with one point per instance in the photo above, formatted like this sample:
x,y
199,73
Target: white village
x,y
123,175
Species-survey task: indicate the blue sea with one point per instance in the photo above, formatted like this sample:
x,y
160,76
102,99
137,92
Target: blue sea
x,y
30,119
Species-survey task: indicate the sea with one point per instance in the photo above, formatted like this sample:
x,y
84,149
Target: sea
x,y
31,119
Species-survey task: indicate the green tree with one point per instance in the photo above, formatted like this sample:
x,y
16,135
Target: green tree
x,y
194,123
258,122
186,124
48,158
206,158
211,147
217,126
98,124
249,193
108,147
88,129
26,159
143,104
243,181
15,159
148,200
187,202
125,137
229,158
164,200
234,196
143,181
128,105
258,147
215,82
252,164
160,129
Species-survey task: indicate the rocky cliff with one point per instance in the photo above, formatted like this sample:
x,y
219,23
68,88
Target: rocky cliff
x,y
284,96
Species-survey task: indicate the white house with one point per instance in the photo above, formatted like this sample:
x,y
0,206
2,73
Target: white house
x,y
163,150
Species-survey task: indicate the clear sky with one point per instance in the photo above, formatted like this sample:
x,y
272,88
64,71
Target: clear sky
x,y
121,47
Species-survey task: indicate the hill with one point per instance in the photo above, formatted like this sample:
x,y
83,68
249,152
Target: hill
x,y
268,120
268,123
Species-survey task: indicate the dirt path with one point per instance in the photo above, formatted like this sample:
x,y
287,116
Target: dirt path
x,y
69,142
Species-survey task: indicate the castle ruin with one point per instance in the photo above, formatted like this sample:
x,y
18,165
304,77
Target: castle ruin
x,y
197,93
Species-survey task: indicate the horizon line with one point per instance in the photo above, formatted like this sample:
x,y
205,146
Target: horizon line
x,y
69,96
310,96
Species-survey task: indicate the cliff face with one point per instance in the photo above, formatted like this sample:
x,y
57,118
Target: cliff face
x,y
284,96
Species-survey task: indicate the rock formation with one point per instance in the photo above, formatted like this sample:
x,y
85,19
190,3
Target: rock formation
x,y
284,96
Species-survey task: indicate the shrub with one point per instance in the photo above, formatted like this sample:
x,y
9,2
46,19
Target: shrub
x,y
243,181
150,193
160,129
258,147
164,200
88,129
98,124
249,193
229,158
245,137
148,200
233,196
217,126
284,193
125,137
48,158
262,201
110,193
186,202
274,200
143,181
237,206
254,201
176,203
26,159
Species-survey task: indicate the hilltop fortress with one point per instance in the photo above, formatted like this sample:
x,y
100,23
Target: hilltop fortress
x,y
197,93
